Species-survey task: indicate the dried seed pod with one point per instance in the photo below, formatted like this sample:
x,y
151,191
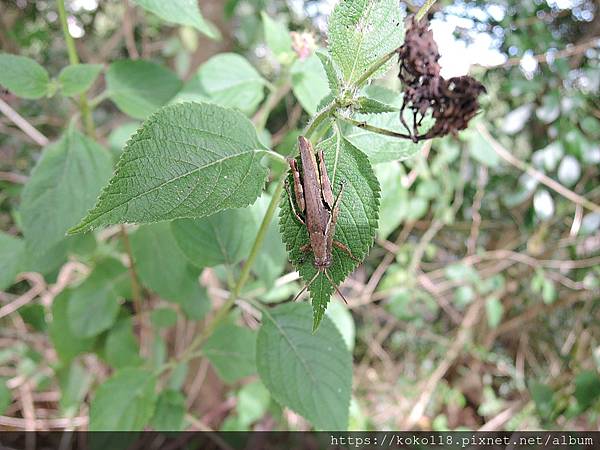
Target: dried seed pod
x,y
452,102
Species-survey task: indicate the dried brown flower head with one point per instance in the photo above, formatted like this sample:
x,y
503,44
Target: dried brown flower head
x,y
452,102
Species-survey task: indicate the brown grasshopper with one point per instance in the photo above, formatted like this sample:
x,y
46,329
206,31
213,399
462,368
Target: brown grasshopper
x,y
316,209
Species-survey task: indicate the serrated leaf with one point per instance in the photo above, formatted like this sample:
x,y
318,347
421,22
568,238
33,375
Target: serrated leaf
x,y
23,76
139,87
187,160
361,32
94,304
182,12
356,223
232,350
222,238
367,105
229,80
63,185
12,254
170,411
330,71
124,402
121,348
310,373
377,147
309,83
66,343
277,38
78,78
161,266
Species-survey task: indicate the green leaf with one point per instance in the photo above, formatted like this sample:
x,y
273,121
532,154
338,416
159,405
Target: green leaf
x,y
5,396
278,38
344,322
124,402
333,78
94,304
182,12
163,317
75,382
63,185
543,397
480,149
232,352
223,238
494,311
139,88
187,160
394,200
66,343
170,411
229,80
78,78
356,223
377,147
309,83
272,256
161,265
310,373
23,76
587,389
252,403
361,32
121,348
12,254
367,105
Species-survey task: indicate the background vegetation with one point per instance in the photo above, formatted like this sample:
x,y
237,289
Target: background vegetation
x,y
477,307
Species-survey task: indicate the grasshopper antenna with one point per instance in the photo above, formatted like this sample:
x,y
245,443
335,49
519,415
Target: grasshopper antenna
x,y
306,286
335,287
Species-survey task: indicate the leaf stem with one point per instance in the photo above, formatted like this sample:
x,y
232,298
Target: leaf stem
x,y
221,314
319,118
422,12
374,68
86,111
374,129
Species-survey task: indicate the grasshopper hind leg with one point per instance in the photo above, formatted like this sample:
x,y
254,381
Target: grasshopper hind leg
x,y
335,286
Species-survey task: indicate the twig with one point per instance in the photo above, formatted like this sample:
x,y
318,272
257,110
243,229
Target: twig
x,y
128,28
471,317
37,289
16,178
543,57
424,9
541,177
261,116
23,124
475,227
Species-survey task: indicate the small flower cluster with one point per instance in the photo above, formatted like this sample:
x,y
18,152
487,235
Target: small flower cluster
x,y
452,102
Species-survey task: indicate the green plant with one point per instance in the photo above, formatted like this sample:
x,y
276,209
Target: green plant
x,y
201,181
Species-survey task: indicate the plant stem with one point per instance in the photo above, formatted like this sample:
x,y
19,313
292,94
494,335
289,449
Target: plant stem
x,y
282,87
86,112
374,68
319,118
374,129
191,351
423,11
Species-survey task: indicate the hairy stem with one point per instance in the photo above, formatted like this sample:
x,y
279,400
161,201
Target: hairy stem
x,y
86,111
377,130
